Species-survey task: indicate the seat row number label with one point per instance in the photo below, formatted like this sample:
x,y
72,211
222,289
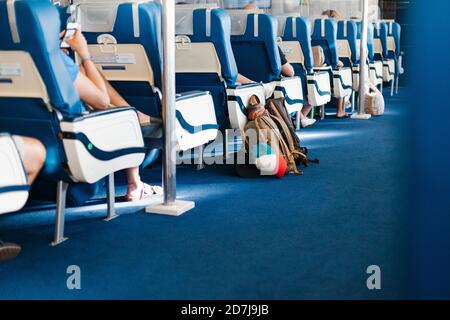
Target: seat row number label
x,y
110,58
10,70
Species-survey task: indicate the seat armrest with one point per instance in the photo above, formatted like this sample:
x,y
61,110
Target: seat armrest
x,y
13,181
96,113
245,85
102,142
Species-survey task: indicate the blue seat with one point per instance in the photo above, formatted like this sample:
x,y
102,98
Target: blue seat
x,y
38,99
382,44
348,32
205,61
257,56
325,35
297,29
381,35
41,123
190,72
256,50
130,32
133,24
375,67
394,49
393,40
296,45
349,48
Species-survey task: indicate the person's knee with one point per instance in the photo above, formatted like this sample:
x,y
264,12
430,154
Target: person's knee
x,y
41,153
35,155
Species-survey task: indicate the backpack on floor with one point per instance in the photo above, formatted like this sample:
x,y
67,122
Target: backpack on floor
x,y
266,128
274,130
282,118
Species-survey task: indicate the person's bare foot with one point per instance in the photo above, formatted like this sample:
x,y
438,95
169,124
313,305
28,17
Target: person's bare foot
x,y
142,191
146,120
342,115
143,118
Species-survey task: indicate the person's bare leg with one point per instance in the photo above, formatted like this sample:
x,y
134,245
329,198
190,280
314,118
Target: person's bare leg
x,y
340,111
305,111
135,186
133,180
243,79
118,101
34,155
137,189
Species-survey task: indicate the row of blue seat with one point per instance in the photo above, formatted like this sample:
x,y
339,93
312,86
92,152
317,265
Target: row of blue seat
x,y
38,99
124,37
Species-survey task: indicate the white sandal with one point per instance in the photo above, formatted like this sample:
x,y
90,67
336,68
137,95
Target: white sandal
x,y
146,191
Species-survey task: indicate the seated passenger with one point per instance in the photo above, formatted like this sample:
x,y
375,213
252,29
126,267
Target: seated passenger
x,y
97,93
332,14
340,110
287,70
33,154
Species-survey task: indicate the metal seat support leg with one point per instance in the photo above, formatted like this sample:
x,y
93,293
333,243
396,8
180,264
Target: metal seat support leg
x,y
61,193
111,198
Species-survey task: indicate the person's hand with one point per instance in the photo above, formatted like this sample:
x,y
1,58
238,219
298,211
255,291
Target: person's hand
x,y
340,64
78,44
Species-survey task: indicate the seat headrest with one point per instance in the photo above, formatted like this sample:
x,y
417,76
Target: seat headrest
x,y
184,17
214,25
109,2
293,20
324,29
346,29
33,26
239,21
251,26
129,22
100,15
381,29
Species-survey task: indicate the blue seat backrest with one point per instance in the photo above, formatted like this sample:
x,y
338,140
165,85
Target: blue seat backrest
x,y
257,55
351,35
394,30
302,34
370,38
381,32
38,26
327,40
219,34
149,32
139,94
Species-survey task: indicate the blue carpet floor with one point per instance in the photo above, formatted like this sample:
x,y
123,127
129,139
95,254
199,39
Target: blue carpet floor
x,y
301,237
